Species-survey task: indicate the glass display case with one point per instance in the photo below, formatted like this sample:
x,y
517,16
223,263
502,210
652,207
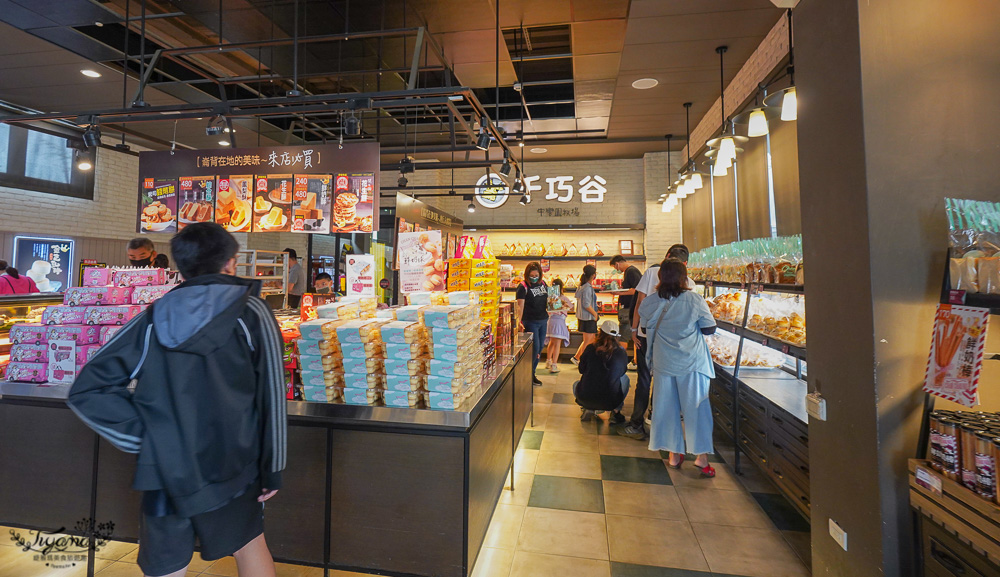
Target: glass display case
x,y
21,309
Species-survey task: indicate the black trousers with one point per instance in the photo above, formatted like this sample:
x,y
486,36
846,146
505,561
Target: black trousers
x,y
643,378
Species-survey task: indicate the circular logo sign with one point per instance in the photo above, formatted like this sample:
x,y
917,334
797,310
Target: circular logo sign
x,y
384,283
491,191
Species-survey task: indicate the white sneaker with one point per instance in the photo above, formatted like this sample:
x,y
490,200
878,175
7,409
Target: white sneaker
x,y
575,361
554,368
632,367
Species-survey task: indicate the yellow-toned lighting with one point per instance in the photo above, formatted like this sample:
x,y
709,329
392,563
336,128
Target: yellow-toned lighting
x,y
696,181
789,105
758,124
720,169
727,148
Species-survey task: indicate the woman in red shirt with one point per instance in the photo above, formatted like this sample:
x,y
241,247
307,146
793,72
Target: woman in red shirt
x,y
14,283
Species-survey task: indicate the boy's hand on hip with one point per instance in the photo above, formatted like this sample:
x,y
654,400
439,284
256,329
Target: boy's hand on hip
x,y
266,494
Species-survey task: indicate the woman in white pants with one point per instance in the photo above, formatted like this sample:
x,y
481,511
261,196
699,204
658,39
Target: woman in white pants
x,y
676,321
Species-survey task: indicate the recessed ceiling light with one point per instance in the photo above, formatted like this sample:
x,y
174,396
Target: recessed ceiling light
x,y
90,73
645,83
539,150
224,142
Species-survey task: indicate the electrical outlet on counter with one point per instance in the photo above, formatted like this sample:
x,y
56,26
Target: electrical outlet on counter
x,y
838,534
816,406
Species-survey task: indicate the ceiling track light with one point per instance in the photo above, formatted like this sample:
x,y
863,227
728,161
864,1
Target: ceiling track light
x,y
472,206
505,168
92,135
401,181
352,125
216,125
82,160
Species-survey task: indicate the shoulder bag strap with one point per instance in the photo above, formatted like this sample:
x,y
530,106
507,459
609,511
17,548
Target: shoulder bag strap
x,y
651,337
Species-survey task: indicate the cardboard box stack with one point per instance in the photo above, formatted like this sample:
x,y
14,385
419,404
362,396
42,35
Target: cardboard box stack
x,y
455,370
71,334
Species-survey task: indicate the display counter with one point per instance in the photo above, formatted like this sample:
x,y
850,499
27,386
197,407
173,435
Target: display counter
x,y
374,489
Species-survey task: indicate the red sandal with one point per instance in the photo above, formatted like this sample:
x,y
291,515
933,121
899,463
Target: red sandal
x,y
678,465
708,471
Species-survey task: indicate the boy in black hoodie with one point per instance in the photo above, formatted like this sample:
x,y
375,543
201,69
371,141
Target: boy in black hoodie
x,y
195,386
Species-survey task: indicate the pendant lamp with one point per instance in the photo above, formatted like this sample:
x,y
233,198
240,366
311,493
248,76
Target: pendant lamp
x,y
786,98
727,139
719,169
691,174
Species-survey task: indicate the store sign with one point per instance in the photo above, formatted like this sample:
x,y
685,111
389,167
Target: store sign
x,y
956,358
360,275
47,261
314,189
492,192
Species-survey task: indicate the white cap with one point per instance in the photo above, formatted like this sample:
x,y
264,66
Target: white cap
x,y
611,328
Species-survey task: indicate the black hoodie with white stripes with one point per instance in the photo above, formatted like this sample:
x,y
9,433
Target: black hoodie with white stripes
x,y
207,412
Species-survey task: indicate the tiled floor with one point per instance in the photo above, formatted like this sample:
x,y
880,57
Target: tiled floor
x,y
588,502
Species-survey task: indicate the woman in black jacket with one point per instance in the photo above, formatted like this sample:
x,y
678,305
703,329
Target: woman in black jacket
x,y
603,384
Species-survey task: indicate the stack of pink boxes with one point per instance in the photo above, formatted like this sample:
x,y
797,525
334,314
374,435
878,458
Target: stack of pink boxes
x,y
71,334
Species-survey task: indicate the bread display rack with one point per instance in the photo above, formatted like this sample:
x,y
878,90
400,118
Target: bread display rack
x,y
763,410
268,266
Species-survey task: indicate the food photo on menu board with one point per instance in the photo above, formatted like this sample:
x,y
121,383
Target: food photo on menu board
x,y
234,203
158,205
353,203
272,203
311,203
197,200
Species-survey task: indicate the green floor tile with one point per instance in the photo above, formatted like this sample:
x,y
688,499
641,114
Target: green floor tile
x,y
782,514
634,470
563,398
567,493
531,440
629,570
689,458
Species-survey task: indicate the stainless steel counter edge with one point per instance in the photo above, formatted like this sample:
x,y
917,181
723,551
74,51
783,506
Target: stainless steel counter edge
x,y
304,412
775,385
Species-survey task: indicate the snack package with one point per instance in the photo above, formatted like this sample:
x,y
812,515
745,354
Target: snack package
x,y
361,396
445,401
320,394
321,329
446,368
27,372
313,347
28,353
357,366
339,310
97,276
405,367
448,317
318,363
360,331
107,332
144,295
455,354
133,277
82,334
364,381
402,332
410,313
318,378
989,275
572,250
64,315
459,284
459,274
86,352
405,382
389,314
439,384
964,274
89,296
401,399
454,337
112,315
362,350
463,297
406,351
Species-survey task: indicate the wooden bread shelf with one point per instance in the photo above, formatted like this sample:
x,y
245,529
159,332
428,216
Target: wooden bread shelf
x,y
973,520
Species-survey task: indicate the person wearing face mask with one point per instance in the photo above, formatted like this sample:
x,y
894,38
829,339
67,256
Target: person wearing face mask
x,y
323,284
533,305
141,251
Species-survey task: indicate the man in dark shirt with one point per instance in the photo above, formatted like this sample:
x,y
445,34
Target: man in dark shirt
x,y
626,299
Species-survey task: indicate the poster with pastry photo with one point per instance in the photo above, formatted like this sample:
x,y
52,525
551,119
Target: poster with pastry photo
x,y
272,203
234,202
363,185
311,203
158,205
196,199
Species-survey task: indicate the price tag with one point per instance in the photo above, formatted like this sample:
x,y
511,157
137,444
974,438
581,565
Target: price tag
x,y
784,349
956,297
928,480
764,342
754,289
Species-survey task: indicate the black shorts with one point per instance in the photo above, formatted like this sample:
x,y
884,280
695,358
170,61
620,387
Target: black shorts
x,y
166,544
588,327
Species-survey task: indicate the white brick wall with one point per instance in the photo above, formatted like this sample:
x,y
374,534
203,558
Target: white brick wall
x,y
662,228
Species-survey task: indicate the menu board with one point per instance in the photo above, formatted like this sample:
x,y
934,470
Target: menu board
x,y
360,275
311,189
47,261
421,262
158,205
956,357
311,203
272,203
197,200
233,205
